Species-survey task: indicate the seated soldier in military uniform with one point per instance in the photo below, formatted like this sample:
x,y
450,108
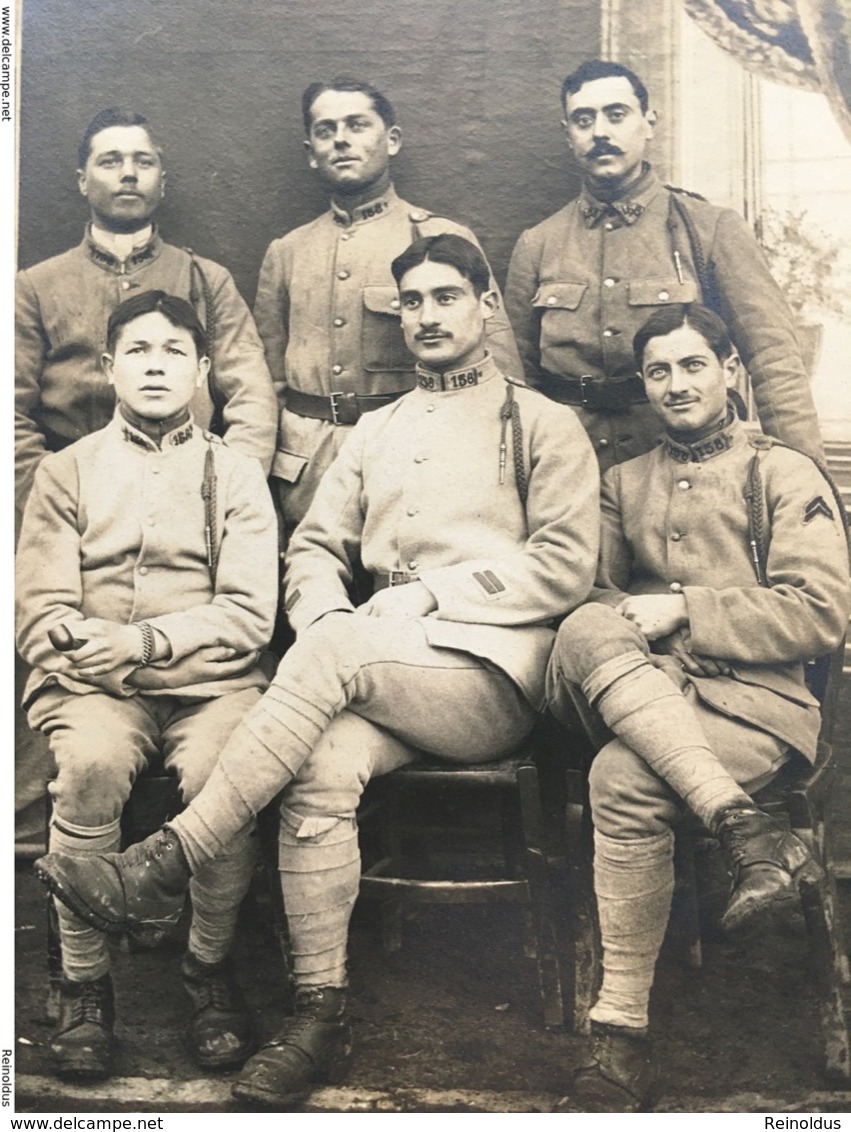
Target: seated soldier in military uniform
x,y
146,579
705,607
473,503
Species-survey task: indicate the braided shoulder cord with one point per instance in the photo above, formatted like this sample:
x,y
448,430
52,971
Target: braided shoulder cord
x,y
758,534
208,494
705,274
510,411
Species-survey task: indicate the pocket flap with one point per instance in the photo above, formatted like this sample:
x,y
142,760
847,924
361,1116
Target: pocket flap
x,y
287,466
658,292
382,300
560,296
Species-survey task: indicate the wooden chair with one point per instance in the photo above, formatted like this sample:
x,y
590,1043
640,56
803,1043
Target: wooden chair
x,y
407,873
801,797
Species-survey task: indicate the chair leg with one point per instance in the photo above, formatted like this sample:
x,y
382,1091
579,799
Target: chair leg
x,y
819,904
586,946
54,961
686,874
541,900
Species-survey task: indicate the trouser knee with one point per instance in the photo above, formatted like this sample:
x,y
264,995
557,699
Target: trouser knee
x,y
590,636
628,800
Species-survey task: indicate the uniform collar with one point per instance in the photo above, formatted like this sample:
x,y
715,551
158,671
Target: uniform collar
x,y
111,262
171,433
455,379
628,207
364,212
120,244
720,440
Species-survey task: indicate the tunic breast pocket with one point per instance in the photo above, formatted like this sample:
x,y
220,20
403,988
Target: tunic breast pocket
x,y
661,292
557,304
382,343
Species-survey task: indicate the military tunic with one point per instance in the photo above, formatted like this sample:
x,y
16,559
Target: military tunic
x,y
328,312
675,521
581,283
63,305
416,489
115,528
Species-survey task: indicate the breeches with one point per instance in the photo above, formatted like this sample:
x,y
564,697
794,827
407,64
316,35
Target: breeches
x,y
101,743
628,799
401,696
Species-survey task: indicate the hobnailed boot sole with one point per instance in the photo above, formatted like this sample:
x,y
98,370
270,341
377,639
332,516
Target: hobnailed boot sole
x,y
147,935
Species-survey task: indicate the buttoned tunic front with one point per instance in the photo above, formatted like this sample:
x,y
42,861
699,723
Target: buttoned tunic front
x,y
419,487
115,528
675,521
328,312
62,308
581,283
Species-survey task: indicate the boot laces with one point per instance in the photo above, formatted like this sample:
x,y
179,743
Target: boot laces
x,y
214,989
89,1005
308,1014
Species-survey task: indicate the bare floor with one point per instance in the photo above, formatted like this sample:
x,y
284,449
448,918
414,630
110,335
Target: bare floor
x,y
457,1008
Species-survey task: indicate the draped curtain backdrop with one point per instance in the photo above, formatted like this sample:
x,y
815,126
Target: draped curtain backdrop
x,y
806,43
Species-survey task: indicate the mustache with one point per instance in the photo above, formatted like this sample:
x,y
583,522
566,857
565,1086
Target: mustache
x,y
603,149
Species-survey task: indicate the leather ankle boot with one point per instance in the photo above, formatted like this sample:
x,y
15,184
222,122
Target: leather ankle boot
x,y
140,891
766,863
83,1047
620,1075
220,1033
311,1048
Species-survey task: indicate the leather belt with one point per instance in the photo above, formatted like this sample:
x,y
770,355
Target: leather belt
x,y
338,408
594,394
394,578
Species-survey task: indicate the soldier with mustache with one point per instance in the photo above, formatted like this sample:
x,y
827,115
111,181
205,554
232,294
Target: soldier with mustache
x,y
583,281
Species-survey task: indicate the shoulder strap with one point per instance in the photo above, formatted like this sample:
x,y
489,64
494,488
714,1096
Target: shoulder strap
x,y
198,278
704,269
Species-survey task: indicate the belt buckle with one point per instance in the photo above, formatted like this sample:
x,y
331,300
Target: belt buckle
x,y
583,395
399,578
344,408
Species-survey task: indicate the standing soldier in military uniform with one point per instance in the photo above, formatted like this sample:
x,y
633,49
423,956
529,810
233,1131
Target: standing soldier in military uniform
x,y
582,282
63,305
327,308
454,499
692,648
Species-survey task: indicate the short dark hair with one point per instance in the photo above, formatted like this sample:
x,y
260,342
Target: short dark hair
x,y
665,321
450,249
176,310
380,104
112,116
593,69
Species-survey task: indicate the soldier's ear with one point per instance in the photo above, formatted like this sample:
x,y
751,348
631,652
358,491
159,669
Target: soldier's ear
x,y
490,304
107,363
394,140
651,118
81,182
311,159
731,367
203,370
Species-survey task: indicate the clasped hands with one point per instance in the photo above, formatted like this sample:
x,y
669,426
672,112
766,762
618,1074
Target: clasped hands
x,y
663,619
